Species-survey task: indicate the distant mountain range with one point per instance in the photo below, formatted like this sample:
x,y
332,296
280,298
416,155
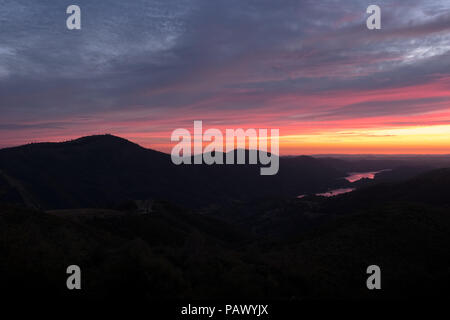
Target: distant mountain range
x,y
289,249
104,170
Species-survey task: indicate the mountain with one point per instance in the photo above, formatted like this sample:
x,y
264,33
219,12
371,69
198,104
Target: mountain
x,y
429,188
90,171
237,234
105,170
284,249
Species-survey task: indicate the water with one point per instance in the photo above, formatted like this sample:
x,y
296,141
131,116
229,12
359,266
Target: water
x,y
356,176
330,193
335,192
352,177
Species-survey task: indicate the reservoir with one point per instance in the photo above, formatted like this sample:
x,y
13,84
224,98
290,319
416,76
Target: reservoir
x,y
352,177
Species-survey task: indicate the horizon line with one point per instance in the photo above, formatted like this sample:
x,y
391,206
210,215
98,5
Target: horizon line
x,y
287,155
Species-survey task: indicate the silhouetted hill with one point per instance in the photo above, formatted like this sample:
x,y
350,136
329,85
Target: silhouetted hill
x,y
427,188
90,171
298,249
105,170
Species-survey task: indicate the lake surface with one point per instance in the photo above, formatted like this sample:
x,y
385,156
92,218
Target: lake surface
x,y
335,192
355,176
352,177
330,193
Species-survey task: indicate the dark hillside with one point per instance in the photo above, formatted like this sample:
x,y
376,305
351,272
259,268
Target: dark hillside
x,y
101,171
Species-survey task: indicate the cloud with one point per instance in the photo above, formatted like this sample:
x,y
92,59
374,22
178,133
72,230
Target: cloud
x,y
169,60
21,126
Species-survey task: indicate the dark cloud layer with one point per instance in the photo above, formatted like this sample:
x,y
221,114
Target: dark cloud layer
x,y
165,57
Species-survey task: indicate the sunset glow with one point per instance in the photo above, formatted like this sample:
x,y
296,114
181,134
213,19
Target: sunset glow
x,y
325,81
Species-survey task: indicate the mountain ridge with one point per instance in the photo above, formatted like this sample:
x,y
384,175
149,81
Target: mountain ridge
x,y
104,170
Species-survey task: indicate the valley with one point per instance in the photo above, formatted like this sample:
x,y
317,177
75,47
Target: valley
x,y
215,238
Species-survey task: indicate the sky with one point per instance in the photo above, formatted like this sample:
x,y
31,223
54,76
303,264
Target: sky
x,y
141,69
